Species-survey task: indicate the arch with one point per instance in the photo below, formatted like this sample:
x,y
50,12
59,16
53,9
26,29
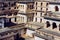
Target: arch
x,y
56,8
47,24
54,25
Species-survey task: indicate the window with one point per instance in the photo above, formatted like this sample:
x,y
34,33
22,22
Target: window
x,y
56,8
40,14
40,20
41,9
31,6
36,20
23,6
9,8
9,3
14,7
54,25
17,7
48,24
59,27
9,19
46,4
20,6
41,4
46,8
36,14
36,3
23,19
15,19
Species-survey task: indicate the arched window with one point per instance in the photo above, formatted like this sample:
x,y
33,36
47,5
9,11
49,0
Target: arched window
x,y
54,25
59,27
48,24
56,8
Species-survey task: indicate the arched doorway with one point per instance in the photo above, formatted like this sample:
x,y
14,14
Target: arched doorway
x,y
47,24
54,25
56,8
